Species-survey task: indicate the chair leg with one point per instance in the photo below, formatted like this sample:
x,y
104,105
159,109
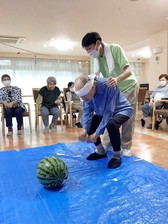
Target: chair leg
x,y
71,116
30,124
3,124
61,118
37,123
66,119
153,122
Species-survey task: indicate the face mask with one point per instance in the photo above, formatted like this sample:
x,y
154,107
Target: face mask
x,y
72,89
95,53
6,83
162,83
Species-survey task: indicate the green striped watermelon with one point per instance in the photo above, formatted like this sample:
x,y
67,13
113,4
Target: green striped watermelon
x,y
52,172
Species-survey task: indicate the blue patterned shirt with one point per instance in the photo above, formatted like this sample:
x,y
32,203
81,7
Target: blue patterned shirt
x,y
11,94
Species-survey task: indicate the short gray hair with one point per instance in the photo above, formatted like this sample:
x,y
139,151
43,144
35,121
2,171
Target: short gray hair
x,y
51,79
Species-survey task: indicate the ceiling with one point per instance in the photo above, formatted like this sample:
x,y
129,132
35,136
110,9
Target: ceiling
x,y
126,22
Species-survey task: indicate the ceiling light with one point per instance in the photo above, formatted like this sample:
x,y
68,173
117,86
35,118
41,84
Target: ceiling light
x,y
62,45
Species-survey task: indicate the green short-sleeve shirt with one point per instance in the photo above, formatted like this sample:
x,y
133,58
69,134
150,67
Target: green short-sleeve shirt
x,y
120,61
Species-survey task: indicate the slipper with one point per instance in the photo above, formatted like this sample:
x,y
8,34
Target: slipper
x,y
95,156
114,163
142,122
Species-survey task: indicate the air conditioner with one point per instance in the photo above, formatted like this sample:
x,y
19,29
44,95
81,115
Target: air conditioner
x,y
12,40
157,50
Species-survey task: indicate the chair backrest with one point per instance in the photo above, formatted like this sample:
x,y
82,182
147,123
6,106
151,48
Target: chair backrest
x,y
35,93
142,94
65,90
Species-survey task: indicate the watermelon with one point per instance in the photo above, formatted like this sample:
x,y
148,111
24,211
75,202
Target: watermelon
x,y
52,172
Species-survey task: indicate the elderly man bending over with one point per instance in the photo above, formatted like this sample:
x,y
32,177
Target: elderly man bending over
x,y
103,107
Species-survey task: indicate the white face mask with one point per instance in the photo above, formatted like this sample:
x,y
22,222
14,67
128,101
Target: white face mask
x,y
95,53
6,83
162,83
72,89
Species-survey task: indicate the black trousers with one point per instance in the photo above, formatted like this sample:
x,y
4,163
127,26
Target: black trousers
x,y
113,128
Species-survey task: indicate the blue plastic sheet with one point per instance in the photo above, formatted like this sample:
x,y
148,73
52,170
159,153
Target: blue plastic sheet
x,y
136,192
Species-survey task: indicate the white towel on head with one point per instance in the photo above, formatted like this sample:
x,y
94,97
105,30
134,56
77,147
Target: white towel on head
x,y
109,58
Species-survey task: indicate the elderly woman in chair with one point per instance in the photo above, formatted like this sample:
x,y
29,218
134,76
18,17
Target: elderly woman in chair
x,y
10,97
48,100
76,102
159,93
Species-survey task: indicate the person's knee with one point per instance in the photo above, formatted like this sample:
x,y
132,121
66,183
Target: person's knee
x,y
56,113
112,124
8,111
44,113
18,111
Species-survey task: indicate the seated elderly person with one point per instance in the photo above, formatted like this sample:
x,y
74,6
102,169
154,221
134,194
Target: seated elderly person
x,y
10,97
76,102
103,107
48,100
160,92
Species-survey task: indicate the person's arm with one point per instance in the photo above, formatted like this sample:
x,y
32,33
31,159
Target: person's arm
x,y
2,100
109,110
16,98
121,59
69,96
39,101
152,97
87,116
58,100
114,81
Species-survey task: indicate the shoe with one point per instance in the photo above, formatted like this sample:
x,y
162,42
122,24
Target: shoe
x,y
10,132
149,126
167,120
52,127
95,156
114,163
46,130
74,117
79,125
142,122
159,120
20,132
157,125
126,152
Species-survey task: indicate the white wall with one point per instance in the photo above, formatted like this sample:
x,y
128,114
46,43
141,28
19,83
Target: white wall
x,y
155,68
151,68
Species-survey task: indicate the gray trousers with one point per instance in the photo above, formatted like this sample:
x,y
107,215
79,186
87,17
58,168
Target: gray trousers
x,y
45,112
128,126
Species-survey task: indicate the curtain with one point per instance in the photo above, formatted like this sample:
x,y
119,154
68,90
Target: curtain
x,y
28,73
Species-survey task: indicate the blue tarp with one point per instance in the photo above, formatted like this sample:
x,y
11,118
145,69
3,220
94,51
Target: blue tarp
x,y
135,193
